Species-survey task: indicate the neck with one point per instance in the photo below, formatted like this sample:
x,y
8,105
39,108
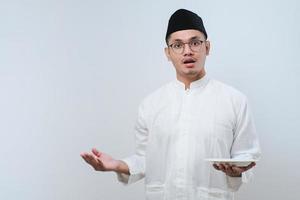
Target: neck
x,y
188,80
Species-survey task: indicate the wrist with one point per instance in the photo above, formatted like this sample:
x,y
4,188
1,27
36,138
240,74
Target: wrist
x,y
235,175
121,167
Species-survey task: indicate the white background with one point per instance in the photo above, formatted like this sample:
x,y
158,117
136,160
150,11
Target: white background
x,y
72,74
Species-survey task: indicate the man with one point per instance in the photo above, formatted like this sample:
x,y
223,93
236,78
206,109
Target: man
x,y
183,123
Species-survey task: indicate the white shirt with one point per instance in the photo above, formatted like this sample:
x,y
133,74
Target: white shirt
x,y
178,129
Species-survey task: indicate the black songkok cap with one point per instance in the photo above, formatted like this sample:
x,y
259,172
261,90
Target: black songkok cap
x,y
184,19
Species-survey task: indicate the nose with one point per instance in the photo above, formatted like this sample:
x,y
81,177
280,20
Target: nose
x,y
187,50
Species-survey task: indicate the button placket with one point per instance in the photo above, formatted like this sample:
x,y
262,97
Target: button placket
x,y
182,147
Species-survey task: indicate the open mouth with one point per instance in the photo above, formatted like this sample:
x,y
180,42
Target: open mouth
x,y
189,61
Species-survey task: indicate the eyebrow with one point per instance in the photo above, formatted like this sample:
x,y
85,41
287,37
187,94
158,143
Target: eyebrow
x,y
192,38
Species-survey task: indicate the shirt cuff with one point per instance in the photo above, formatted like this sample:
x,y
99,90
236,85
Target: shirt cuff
x,y
234,183
136,170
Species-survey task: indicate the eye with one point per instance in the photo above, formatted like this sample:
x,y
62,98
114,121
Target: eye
x,y
195,43
177,45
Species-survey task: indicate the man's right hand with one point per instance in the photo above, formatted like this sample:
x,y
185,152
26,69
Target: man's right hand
x,y
104,162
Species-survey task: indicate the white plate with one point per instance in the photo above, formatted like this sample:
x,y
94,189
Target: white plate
x,y
236,162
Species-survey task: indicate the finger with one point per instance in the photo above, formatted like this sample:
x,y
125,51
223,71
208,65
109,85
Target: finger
x,y
87,157
94,162
229,169
216,166
237,170
247,167
251,165
227,166
96,152
222,167
84,155
90,159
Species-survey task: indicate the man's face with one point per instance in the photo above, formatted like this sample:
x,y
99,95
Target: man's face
x,y
189,63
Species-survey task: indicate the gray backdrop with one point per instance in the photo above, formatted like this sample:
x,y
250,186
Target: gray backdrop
x,y
72,74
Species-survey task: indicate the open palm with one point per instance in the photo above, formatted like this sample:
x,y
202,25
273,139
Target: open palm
x,y
100,161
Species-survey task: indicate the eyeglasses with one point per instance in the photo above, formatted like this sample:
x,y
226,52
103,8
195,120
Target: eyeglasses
x,y
178,47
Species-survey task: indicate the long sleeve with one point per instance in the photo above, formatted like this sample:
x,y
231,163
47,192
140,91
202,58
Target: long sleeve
x,y
245,144
136,162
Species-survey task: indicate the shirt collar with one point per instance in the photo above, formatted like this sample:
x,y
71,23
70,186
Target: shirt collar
x,y
195,84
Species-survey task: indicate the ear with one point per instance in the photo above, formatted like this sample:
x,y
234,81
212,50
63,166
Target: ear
x,y
207,47
167,52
